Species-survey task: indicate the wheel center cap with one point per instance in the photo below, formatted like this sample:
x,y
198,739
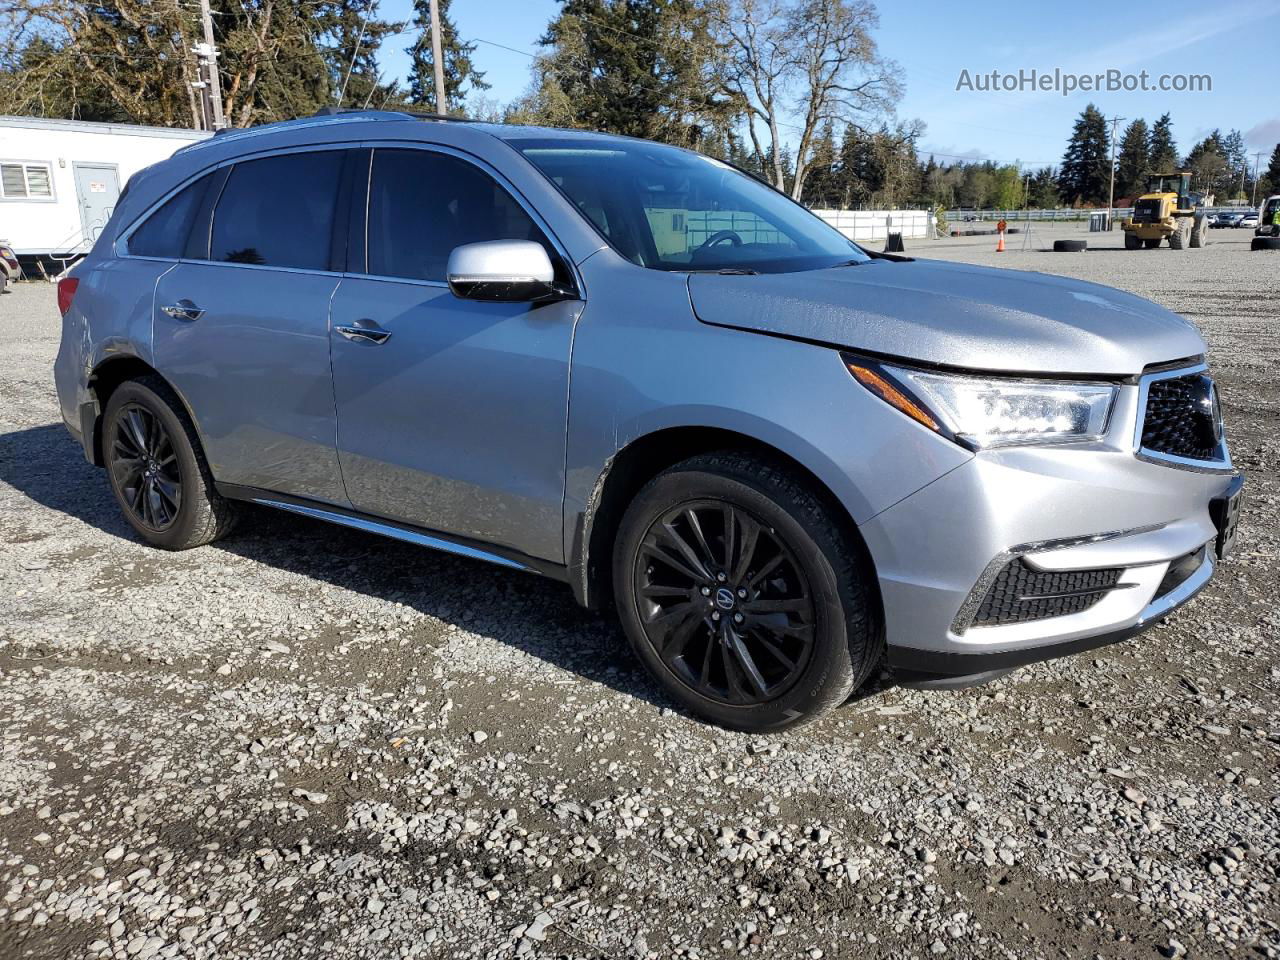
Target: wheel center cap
x,y
724,598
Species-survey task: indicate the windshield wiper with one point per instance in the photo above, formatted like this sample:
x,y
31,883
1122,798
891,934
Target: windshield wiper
x,y
731,272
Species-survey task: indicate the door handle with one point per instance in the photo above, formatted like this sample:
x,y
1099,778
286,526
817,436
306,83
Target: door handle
x,y
365,330
183,310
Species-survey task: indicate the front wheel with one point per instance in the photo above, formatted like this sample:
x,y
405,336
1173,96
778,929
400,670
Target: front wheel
x,y
742,596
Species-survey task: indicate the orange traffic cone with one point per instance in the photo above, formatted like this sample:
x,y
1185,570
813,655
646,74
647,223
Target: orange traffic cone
x,y
1000,244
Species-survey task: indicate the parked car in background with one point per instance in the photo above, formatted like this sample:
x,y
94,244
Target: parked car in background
x,y
1229,219
1249,220
781,459
10,269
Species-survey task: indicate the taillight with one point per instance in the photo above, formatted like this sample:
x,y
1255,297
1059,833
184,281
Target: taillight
x,y
66,293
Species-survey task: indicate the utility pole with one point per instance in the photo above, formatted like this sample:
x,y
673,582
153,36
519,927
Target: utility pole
x,y
1256,158
208,52
1111,189
437,58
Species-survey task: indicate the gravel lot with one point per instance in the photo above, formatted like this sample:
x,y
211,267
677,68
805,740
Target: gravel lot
x,y
309,742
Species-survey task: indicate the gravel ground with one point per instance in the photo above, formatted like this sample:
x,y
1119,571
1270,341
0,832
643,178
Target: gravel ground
x,y
309,742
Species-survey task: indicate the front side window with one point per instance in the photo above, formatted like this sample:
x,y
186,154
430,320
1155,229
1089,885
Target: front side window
x,y
278,211
672,209
25,181
423,204
165,232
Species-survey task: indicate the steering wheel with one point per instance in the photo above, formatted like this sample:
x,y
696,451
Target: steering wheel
x,y
718,237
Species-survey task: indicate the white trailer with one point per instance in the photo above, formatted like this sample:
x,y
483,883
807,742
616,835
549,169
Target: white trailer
x,y
59,179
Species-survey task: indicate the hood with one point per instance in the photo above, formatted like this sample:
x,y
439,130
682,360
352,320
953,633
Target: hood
x,y
952,314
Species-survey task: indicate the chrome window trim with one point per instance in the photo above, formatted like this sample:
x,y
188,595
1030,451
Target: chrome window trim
x,y
1222,464
485,167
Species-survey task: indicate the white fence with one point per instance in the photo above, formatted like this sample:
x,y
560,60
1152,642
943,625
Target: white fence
x,y
871,225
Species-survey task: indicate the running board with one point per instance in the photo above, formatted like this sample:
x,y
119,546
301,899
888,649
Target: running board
x,y
511,559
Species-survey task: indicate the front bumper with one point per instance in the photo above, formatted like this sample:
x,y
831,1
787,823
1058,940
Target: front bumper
x,y
1087,507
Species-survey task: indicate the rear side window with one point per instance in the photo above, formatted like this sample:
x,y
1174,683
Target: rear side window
x,y
423,204
278,211
164,233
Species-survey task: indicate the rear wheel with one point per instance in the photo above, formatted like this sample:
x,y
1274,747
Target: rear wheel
x,y
741,596
157,471
1132,241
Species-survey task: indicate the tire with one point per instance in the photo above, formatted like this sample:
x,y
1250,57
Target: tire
x,y
1152,243
1132,241
1199,231
1265,243
172,504
1070,246
1180,239
717,663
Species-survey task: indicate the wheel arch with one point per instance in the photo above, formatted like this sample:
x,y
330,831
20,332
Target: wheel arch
x,y
105,379
590,567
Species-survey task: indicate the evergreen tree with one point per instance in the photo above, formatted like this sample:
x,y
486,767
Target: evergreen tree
x,y
352,34
639,67
1085,174
1133,162
1162,151
1270,181
460,72
1210,171
821,188
1042,191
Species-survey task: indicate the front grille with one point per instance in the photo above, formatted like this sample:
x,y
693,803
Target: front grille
x,y
1183,418
1020,593
1146,211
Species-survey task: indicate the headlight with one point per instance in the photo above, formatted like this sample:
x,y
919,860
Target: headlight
x,y
991,411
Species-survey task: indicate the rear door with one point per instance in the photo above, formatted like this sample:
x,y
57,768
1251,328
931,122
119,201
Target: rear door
x,y
455,419
242,323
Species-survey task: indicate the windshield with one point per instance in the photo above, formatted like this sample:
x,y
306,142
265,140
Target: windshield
x,y
672,209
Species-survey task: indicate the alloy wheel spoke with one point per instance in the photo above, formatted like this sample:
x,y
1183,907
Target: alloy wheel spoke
x,y
169,492
764,571
769,605
730,535
745,661
657,551
695,525
750,536
657,591
137,430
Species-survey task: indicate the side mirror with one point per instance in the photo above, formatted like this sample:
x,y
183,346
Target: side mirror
x,y
503,271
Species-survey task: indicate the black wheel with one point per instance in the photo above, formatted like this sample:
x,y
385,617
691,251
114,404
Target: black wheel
x,y
1069,246
1152,243
739,592
1265,243
1132,241
157,471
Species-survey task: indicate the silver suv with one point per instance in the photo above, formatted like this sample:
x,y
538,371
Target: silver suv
x,y
785,460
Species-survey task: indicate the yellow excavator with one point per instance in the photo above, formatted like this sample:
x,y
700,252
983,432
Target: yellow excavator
x,y
1168,210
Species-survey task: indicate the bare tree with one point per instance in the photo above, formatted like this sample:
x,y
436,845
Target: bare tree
x,y
796,64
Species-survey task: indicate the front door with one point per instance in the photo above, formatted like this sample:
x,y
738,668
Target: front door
x,y
241,327
454,421
97,187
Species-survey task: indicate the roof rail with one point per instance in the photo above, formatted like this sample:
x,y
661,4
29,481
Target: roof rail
x,y
338,111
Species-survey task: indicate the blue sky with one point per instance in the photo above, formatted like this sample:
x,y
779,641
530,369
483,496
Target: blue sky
x,y
1232,41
